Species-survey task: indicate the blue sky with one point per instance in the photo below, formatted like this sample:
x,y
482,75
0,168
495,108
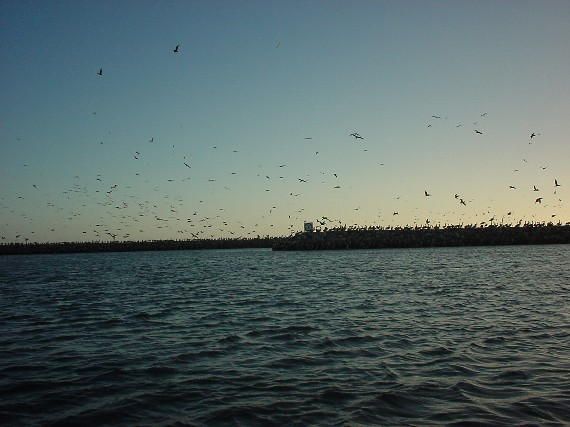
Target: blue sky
x,y
229,115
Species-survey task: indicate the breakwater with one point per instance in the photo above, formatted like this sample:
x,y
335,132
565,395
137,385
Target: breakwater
x,y
331,239
135,246
417,237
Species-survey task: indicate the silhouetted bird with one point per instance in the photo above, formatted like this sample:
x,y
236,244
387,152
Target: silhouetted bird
x,y
356,135
426,193
100,71
176,48
480,133
556,183
534,188
539,200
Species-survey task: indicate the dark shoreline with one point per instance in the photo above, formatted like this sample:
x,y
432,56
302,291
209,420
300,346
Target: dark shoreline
x,y
333,239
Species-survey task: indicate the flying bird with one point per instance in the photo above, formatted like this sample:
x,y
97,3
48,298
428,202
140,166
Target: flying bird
x,y
539,200
480,133
176,48
556,183
534,188
356,135
426,193
100,71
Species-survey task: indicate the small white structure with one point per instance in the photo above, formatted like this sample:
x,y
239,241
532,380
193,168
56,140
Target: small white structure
x,y
308,227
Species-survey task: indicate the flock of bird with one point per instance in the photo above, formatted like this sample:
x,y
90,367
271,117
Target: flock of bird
x,y
143,209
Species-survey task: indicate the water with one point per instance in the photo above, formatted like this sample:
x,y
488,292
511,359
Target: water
x,y
446,336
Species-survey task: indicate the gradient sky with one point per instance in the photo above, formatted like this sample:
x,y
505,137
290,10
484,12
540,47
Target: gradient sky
x,y
251,82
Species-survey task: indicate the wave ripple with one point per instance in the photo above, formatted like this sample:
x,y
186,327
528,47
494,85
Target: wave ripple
x,y
448,337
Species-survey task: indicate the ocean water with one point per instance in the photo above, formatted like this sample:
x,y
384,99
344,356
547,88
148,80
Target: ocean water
x,y
418,337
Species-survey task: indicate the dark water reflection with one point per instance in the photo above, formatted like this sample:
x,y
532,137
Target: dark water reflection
x,y
253,337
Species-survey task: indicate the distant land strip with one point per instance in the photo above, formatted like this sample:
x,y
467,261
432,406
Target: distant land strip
x,y
330,239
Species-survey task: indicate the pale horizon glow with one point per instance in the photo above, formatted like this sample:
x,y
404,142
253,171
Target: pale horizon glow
x,y
264,95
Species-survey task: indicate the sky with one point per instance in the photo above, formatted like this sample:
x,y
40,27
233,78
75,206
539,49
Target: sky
x,y
246,129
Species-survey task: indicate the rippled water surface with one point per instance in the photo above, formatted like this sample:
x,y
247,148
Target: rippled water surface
x,y
447,336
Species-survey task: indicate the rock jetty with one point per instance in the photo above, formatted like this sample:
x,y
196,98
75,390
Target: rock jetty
x,y
135,246
419,237
335,238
